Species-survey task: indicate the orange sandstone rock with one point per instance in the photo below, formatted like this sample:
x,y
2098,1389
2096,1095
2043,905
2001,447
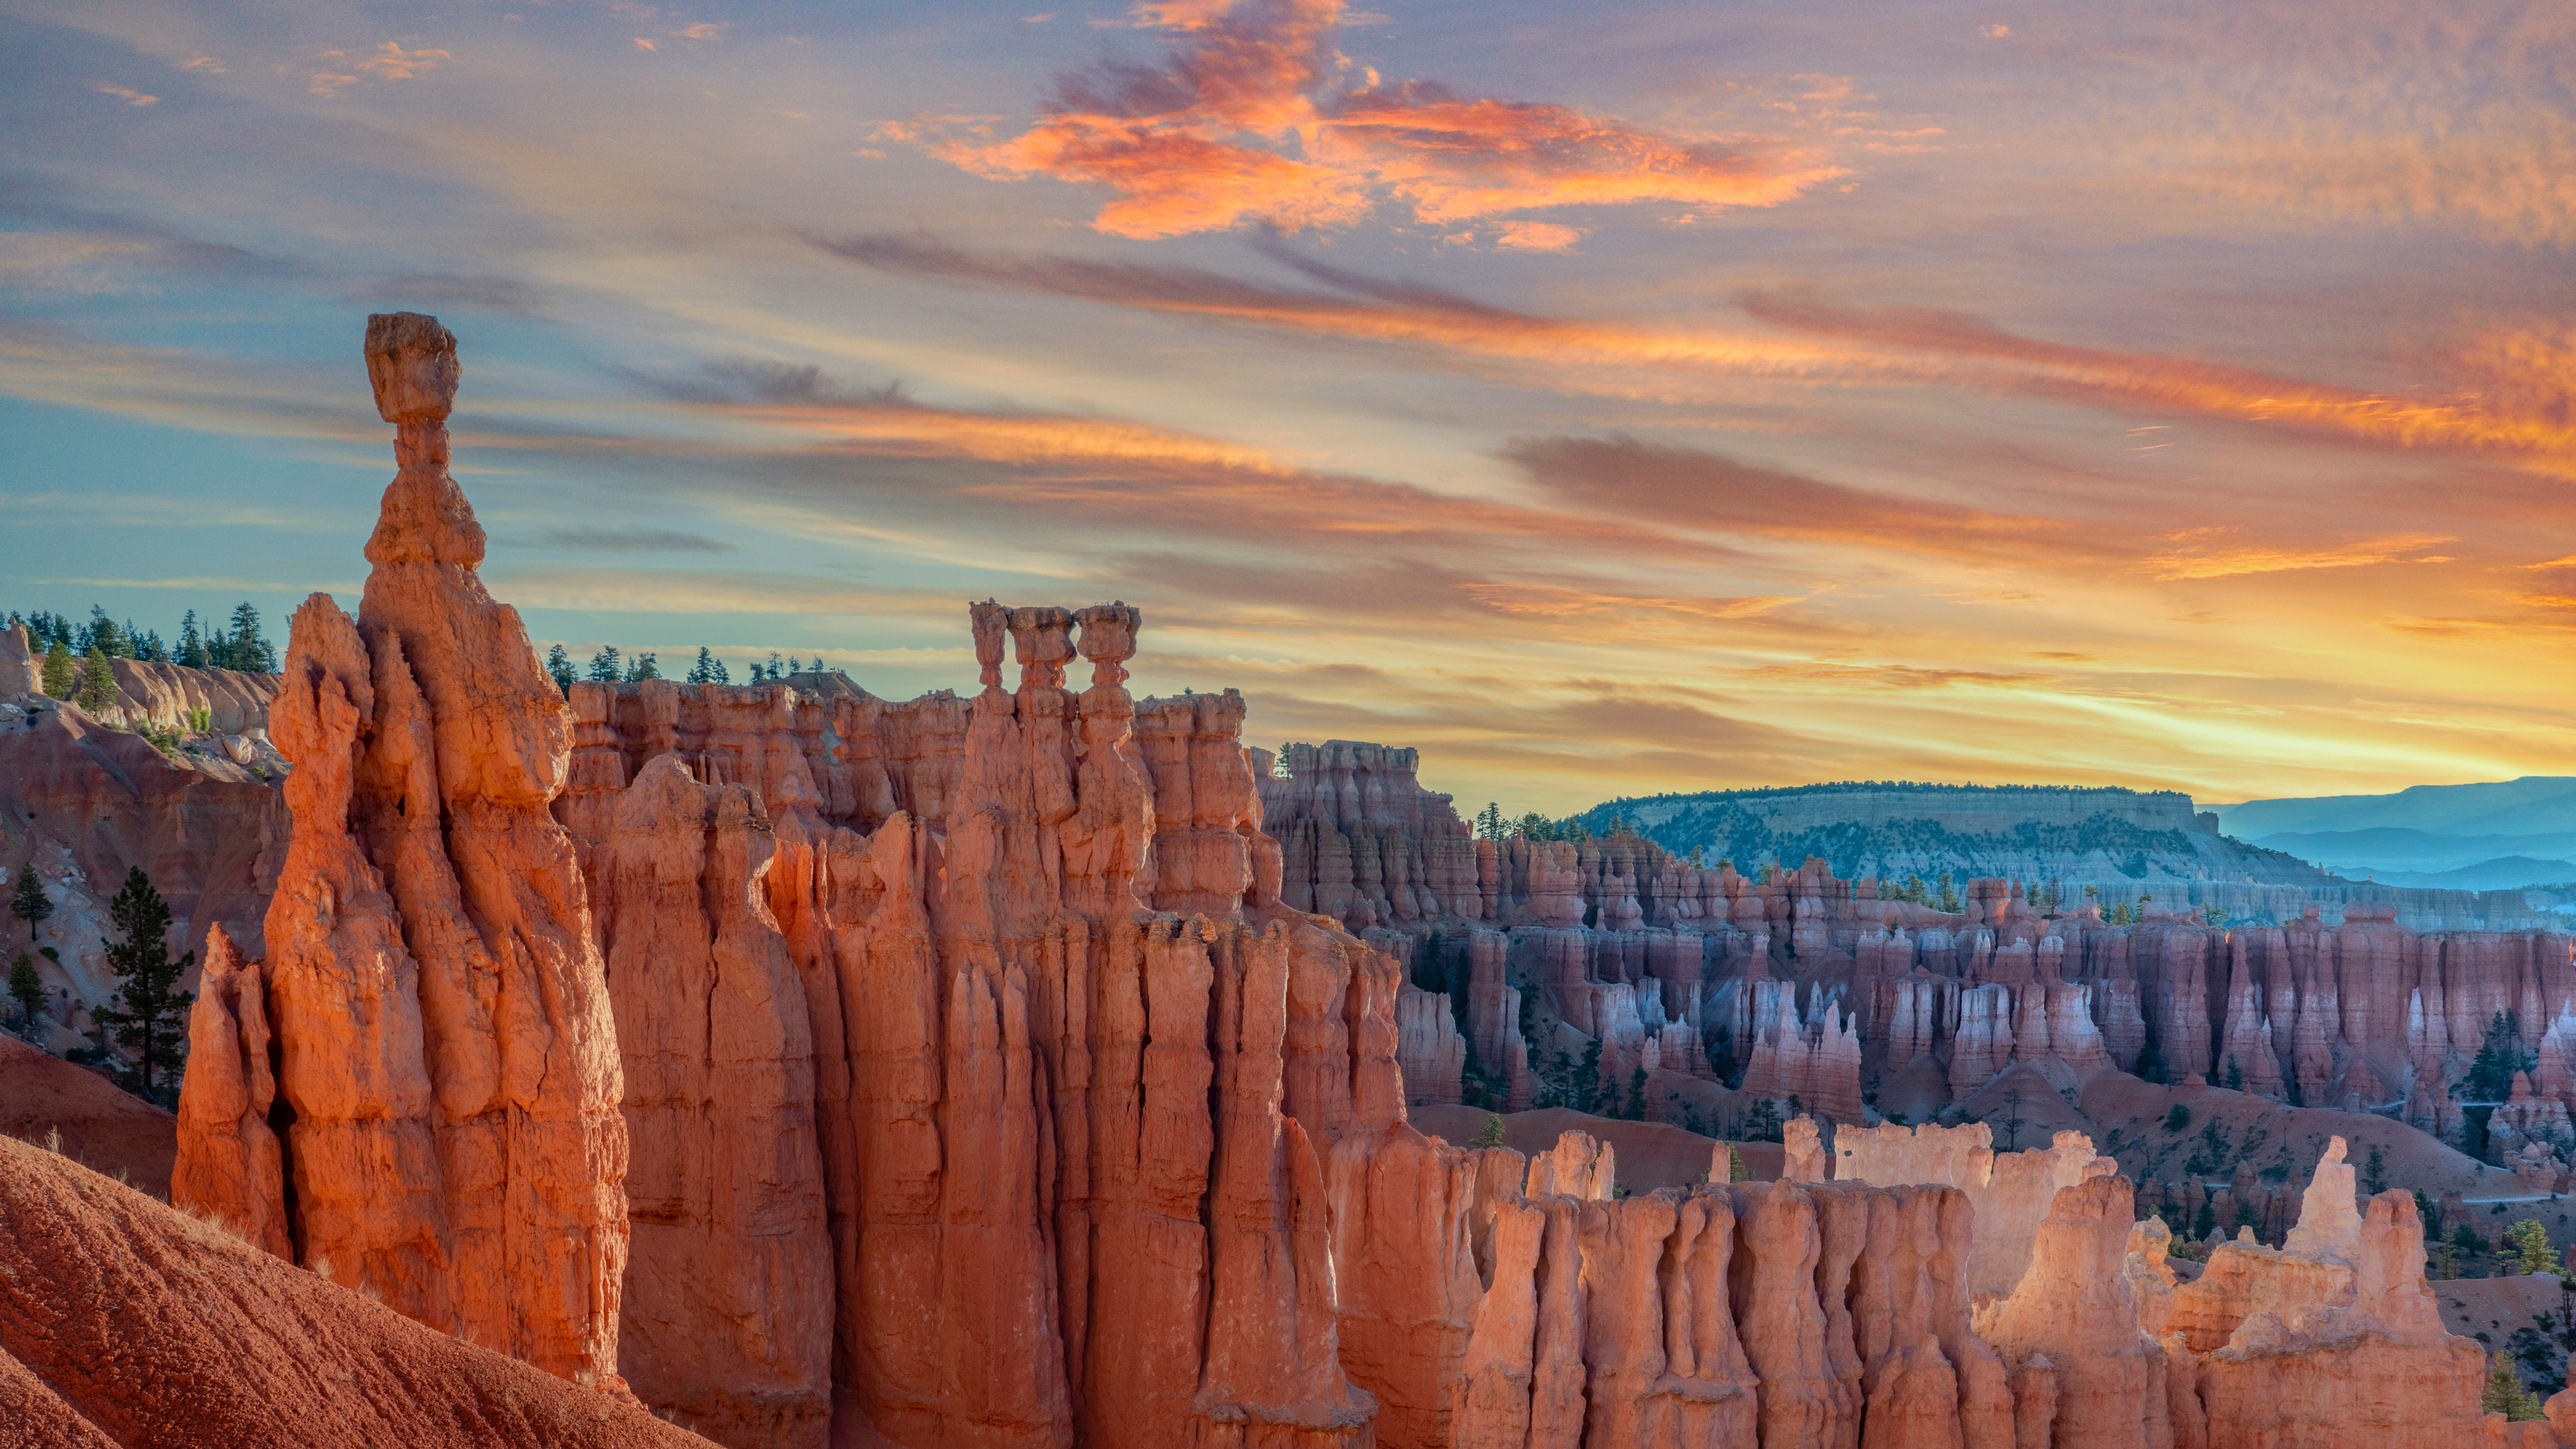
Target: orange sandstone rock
x,y
444,1034
1579,1166
728,1310
2075,1308
229,1166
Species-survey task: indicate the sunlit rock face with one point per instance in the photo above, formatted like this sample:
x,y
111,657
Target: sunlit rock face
x,y
442,1035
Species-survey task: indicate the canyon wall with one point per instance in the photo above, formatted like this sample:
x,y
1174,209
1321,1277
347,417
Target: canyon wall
x,y
1802,984
84,798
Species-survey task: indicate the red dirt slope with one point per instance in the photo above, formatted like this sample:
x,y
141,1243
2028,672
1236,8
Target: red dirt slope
x,y
154,1329
102,1127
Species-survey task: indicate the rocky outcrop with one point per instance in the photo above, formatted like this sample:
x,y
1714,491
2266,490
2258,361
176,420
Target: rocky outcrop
x,y
2012,1192
443,1032
2074,1320
229,1166
1816,987
1817,1314
2371,1367
727,1320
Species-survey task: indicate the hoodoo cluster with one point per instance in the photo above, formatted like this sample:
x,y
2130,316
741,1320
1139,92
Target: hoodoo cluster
x,y
1002,1069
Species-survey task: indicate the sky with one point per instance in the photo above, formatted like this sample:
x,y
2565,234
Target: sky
x,y
1604,400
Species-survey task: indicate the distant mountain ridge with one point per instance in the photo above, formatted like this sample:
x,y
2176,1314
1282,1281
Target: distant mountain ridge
x,y
2122,843
2497,835
2531,805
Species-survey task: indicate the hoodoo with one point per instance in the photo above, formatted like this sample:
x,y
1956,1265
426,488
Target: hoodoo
x,y
441,1028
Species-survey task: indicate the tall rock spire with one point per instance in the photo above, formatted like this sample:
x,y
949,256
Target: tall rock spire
x,y
445,1043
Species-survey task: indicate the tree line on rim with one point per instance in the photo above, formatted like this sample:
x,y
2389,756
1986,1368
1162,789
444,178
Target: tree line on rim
x,y
612,665
238,645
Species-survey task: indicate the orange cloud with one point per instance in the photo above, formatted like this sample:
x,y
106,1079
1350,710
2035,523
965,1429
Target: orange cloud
x,y
2518,404
2184,385
131,98
1236,127
2189,562
1389,312
1171,182
1457,160
1537,236
391,62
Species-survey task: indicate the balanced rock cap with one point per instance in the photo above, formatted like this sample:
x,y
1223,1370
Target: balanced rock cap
x,y
412,362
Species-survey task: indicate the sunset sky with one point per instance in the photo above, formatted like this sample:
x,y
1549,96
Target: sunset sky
x,y
1604,399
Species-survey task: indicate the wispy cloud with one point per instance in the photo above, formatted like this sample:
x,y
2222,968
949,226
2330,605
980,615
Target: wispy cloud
x,y
130,97
387,62
627,540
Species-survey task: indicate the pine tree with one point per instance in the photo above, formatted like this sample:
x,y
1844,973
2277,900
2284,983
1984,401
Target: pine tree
x,y
147,644
98,682
192,643
704,671
559,668
641,667
2490,1077
1636,1107
2506,1393
105,637
61,674
1489,1135
28,989
777,666
152,1015
2529,1242
29,902
1489,822
604,665
246,650
2151,1063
